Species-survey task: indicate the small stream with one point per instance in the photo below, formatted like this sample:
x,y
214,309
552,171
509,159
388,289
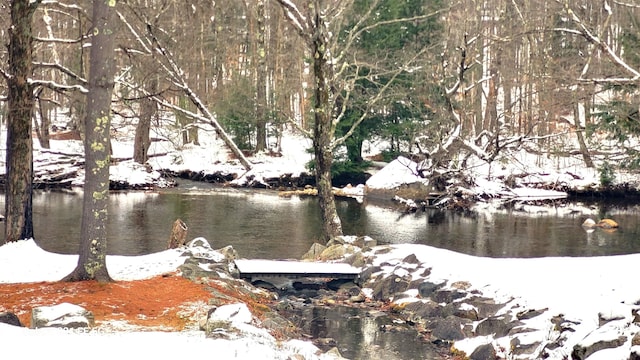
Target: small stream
x,y
364,334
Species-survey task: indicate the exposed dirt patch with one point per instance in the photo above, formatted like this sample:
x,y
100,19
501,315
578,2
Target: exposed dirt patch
x,y
159,303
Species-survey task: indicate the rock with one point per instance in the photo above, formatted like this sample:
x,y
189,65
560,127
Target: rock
x,y
604,224
635,341
421,311
199,248
447,296
363,242
448,329
518,348
484,352
484,306
63,315
10,318
466,311
411,259
368,271
325,343
229,253
221,322
585,349
498,326
192,270
334,353
337,252
425,289
389,286
530,314
356,260
314,252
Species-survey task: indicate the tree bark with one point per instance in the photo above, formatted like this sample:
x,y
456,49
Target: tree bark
x,y
261,79
324,131
19,156
141,142
93,243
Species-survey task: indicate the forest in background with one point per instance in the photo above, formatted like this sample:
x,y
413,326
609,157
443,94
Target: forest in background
x,y
440,81
491,72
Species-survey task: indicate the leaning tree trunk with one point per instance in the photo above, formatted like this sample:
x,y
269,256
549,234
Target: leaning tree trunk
x,y
19,156
324,131
93,232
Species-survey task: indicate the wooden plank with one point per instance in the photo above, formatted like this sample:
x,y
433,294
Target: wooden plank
x,y
258,267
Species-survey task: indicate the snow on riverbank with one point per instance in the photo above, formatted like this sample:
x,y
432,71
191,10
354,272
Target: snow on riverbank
x,y
595,297
24,261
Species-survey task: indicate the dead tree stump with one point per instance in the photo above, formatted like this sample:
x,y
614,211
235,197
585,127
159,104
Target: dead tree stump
x,y
178,235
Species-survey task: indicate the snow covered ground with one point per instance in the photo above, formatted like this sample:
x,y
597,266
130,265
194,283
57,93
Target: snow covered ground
x,y
585,291
24,261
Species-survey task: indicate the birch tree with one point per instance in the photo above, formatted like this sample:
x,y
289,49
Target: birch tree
x,y
93,242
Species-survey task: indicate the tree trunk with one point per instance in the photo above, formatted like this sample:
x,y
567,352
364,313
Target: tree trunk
x,y
323,134
148,109
19,156
42,130
584,150
93,243
261,80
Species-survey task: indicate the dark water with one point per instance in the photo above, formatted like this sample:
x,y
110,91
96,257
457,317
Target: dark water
x,y
366,335
263,225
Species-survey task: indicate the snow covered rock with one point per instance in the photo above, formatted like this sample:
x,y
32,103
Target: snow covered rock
x,y
63,315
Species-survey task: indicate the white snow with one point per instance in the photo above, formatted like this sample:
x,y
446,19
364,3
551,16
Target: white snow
x,y
24,261
584,290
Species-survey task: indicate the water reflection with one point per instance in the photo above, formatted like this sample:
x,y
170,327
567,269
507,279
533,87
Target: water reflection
x,y
263,225
364,335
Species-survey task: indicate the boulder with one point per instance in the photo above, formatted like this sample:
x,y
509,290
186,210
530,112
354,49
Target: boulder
x,y
314,252
337,252
426,288
63,315
356,260
223,321
447,296
484,352
421,311
449,328
229,253
385,288
498,326
586,348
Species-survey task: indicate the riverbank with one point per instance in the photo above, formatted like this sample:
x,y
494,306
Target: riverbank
x,y
473,307
516,174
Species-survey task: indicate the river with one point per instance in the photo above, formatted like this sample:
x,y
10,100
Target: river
x,y
260,224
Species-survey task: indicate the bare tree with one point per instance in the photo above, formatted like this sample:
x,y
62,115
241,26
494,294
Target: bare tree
x,y
93,243
19,158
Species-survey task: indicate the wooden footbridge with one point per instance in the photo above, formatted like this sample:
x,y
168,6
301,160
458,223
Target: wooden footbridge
x,y
259,268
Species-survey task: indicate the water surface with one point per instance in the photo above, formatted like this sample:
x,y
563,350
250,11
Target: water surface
x,y
260,224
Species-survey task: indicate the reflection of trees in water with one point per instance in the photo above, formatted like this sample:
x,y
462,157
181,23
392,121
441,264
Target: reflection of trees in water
x,y
362,335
